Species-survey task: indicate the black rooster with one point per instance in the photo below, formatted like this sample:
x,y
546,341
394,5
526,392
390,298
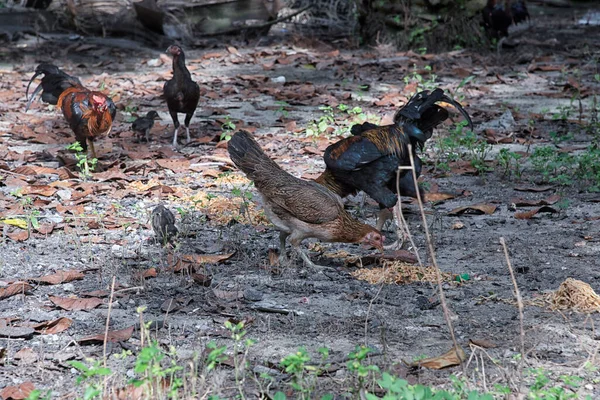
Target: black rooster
x,y
368,161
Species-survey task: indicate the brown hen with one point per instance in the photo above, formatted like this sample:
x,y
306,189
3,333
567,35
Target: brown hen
x,y
299,209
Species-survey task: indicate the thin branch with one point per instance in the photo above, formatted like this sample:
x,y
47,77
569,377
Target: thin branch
x,y
519,305
434,260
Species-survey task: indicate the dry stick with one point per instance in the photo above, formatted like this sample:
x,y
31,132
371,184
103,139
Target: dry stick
x,y
112,292
519,305
400,216
434,260
369,310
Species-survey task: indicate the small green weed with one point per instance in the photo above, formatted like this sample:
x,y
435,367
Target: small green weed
x,y
86,166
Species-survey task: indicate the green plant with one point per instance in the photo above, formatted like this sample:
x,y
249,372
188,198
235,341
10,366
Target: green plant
x,y
511,163
357,366
92,375
422,83
226,128
86,166
240,345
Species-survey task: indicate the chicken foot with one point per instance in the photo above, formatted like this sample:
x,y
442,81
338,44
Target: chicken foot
x,y
385,215
283,259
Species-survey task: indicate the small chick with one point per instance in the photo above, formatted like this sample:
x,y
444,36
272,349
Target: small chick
x,y
142,125
163,224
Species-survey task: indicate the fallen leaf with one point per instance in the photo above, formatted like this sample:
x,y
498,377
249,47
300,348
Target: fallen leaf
x,y
529,214
191,261
60,277
71,304
474,209
26,355
149,273
273,257
53,327
458,225
543,202
486,344
435,197
19,392
527,188
120,335
21,223
18,236
41,190
13,289
204,280
450,359
130,392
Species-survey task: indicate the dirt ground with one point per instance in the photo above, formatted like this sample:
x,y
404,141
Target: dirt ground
x,y
100,227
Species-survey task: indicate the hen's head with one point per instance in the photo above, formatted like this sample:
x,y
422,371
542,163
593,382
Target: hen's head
x,y
174,50
374,238
99,103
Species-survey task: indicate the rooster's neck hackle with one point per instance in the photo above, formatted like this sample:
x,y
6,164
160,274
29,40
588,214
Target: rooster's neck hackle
x,y
389,140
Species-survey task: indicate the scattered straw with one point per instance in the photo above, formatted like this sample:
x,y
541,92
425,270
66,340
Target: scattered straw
x,y
575,295
399,273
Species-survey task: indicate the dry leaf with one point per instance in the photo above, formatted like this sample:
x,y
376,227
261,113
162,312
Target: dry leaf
x,y
19,236
204,280
19,392
54,326
527,188
474,209
438,196
113,336
543,202
450,359
13,289
529,214
26,355
71,304
486,344
130,392
42,190
149,273
60,277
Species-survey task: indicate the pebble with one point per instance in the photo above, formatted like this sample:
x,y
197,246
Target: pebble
x,y
68,287
278,79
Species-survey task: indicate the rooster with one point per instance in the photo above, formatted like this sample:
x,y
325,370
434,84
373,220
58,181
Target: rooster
x,y
369,159
90,114
181,92
299,209
142,125
497,17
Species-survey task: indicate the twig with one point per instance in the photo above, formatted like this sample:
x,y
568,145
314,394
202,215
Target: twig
x,y
400,215
434,260
110,302
519,305
369,310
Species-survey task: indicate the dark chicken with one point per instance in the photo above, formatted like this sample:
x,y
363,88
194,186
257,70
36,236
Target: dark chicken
x,y
497,16
90,114
181,92
142,125
368,161
163,224
299,209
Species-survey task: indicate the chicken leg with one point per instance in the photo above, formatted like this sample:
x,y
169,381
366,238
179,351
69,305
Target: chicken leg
x,y
92,149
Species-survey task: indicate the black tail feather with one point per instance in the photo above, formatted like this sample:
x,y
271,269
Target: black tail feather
x,y
52,84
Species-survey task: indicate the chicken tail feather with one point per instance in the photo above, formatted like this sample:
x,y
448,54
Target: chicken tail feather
x,y
52,84
247,155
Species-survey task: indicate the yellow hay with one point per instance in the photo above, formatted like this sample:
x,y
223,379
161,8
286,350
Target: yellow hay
x,y
575,295
399,273
221,210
